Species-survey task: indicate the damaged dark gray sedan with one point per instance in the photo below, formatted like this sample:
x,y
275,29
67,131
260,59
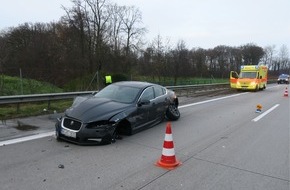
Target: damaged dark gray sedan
x,y
122,108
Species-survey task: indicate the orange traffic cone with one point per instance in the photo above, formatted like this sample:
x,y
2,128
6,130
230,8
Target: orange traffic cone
x,y
259,108
168,159
286,92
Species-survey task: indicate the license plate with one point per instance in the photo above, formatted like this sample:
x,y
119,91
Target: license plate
x,y
68,133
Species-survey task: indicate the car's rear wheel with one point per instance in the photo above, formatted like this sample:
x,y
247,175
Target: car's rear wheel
x,y
172,113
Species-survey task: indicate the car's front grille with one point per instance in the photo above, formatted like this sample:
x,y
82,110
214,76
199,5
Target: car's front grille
x,y
72,124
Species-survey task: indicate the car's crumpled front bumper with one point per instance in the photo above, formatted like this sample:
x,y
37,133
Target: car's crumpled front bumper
x,y
83,135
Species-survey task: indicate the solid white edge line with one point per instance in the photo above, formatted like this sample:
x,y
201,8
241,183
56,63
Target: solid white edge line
x,y
28,138
211,100
265,113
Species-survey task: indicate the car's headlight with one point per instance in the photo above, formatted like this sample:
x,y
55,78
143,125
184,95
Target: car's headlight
x,y
253,84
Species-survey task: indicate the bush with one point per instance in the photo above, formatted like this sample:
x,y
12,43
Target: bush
x,y
119,77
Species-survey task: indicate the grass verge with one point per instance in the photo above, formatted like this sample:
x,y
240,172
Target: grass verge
x,y
33,109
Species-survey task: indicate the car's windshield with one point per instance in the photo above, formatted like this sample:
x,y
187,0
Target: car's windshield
x,y
124,94
251,75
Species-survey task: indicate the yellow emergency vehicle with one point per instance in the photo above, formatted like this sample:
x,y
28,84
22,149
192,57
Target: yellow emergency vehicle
x,y
251,77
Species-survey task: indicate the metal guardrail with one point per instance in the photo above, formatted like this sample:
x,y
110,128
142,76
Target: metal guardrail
x,y
198,87
41,97
186,90
19,99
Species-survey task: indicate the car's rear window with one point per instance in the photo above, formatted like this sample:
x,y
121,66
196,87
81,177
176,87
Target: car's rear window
x,y
284,76
159,91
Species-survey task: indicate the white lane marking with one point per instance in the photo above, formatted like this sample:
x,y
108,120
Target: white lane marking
x,y
28,138
211,100
265,113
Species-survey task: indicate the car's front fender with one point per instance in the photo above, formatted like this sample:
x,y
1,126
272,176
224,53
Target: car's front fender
x,y
122,115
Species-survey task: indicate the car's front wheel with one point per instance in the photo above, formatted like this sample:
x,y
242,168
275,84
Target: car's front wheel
x,y
110,138
172,112
57,131
57,137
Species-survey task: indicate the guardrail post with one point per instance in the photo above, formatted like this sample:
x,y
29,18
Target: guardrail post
x,y
48,105
18,108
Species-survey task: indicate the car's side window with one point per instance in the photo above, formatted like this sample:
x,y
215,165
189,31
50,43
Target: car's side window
x,y
148,94
159,91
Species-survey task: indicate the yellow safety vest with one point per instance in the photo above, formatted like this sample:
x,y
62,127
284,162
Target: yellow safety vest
x,y
108,79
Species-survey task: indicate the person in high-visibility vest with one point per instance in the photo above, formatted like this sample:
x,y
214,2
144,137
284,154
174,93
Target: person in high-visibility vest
x,y
108,79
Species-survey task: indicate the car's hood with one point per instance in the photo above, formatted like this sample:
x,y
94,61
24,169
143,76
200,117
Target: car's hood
x,y
94,109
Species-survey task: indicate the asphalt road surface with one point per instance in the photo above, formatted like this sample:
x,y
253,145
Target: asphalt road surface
x,y
222,143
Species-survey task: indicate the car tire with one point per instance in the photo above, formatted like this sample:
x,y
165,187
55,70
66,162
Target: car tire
x,y
57,136
114,136
172,113
108,139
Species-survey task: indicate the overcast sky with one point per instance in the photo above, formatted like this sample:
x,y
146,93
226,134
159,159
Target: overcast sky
x,y
199,23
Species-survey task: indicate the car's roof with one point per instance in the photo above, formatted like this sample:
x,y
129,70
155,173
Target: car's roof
x,y
137,84
284,75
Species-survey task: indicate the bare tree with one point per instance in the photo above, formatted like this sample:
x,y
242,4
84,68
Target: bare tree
x,y
198,66
158,58
133,32
115,26
268,57
180,59
223,60
132,19
252,54
99,19
284,59
236,59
